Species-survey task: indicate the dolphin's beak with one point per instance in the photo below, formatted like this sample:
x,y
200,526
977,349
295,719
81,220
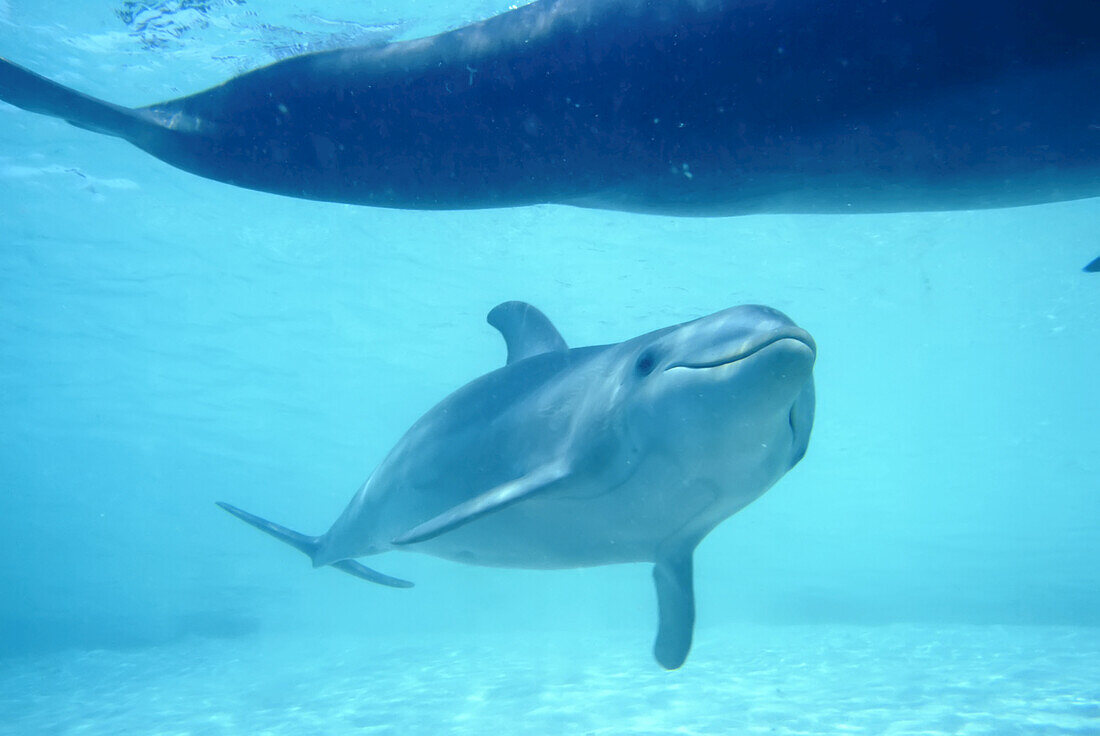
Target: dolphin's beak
x,y
752,346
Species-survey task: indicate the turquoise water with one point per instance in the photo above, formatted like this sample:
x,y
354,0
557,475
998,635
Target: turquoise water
x,y
932,566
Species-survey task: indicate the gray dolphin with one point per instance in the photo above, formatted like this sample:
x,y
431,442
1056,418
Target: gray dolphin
x,y
564,457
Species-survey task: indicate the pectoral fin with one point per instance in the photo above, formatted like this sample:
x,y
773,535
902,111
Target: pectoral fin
x,y
676,606
496,499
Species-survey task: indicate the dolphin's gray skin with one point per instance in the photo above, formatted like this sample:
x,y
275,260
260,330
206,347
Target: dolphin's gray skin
x,y
686,107
564,457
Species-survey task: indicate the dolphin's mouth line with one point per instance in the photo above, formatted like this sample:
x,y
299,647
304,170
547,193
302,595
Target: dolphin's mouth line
x,y
800,336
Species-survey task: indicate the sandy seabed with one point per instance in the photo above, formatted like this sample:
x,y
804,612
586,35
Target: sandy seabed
x,y
785,680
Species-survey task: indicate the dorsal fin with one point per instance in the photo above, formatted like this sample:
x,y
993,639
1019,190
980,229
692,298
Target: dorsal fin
x,y
526,330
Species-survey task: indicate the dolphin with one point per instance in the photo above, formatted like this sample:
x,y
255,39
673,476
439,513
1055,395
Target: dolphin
x,y
682,107
573,457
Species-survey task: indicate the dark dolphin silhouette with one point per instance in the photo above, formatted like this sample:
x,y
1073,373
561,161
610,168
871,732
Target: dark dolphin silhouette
x,y
686,107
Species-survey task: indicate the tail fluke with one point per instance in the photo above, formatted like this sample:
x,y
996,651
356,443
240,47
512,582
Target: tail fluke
x,y
23,88
300,542
309,546
359,570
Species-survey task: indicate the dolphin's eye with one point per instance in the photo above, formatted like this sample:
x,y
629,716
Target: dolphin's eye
x,y
645,365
